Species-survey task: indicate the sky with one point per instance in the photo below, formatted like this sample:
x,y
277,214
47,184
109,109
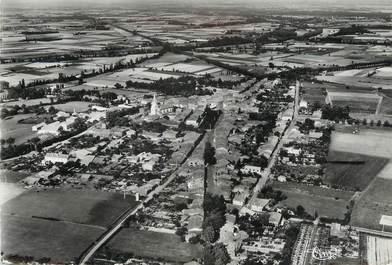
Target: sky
x,y
300,4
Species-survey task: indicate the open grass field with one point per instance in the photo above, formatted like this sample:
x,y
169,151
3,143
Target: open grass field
x,y
93,207
379,250
9,176
19,131
328,202
154,245
386,106
372,204
352,171
372,142
78,106
9,191
39,238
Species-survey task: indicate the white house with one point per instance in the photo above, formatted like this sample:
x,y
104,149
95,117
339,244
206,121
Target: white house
x,y
258,204
247,169
239,199
56,158
275,218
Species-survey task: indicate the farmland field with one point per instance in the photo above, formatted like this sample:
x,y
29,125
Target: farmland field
x,y
94,207
154,245
386,106
40,238
352,176
328,202
379,250
373,203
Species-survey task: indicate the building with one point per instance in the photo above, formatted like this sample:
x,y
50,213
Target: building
x,y
55,158
196,183
275,218
303,104
258,204
195,224
329,31
154,110
240,198
247,169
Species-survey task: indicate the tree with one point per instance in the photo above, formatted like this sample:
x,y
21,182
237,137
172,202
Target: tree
x,y
35,142
209,154
10,141
52,110
378,123
81,77
209,234
221,254
300,210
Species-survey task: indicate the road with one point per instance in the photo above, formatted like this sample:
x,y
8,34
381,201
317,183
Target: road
x,y
122,218
267,171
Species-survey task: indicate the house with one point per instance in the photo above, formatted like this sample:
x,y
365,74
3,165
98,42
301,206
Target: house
x,y
292,151
99,108
239,199
303,104
55,158
83,155
96,116
196,182
195,224
329,31
130,132
54,127
247,169
62,114
275,218
258,204
148,166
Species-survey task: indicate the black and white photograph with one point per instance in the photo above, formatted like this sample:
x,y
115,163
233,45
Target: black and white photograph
x,y
196,132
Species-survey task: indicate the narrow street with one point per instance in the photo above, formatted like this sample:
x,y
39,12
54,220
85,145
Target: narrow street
x,y
267,171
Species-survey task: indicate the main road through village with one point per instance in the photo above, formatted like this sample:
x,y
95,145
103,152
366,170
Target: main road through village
x,y
267,171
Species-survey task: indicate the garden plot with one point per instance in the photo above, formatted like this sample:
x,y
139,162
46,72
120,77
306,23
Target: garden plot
x,y
379,250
